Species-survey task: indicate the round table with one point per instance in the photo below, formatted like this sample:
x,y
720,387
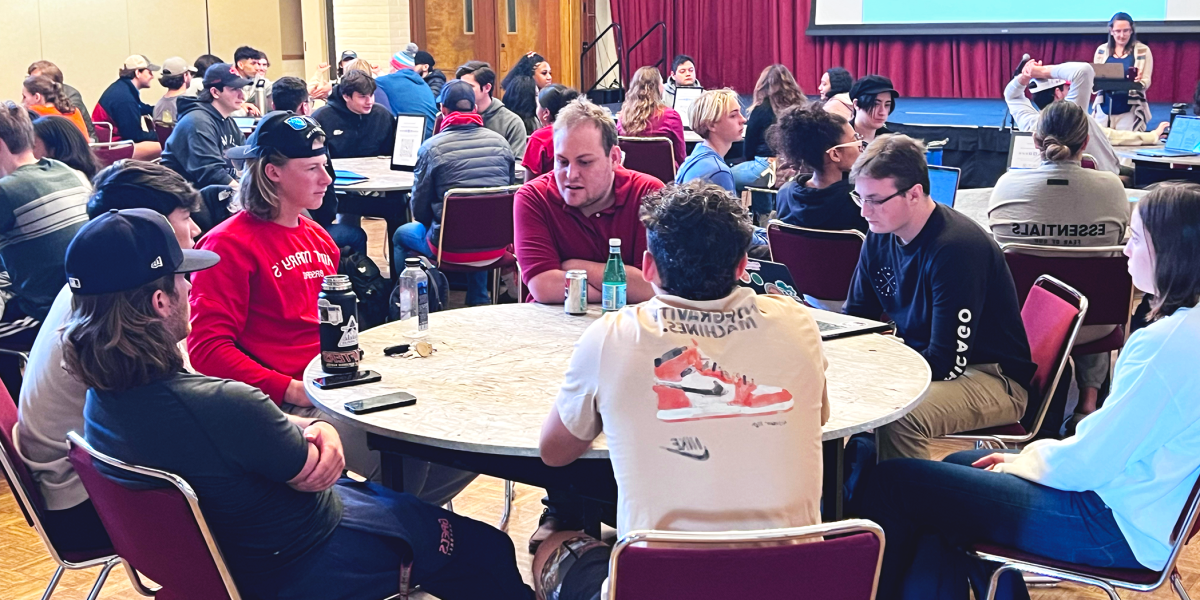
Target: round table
x,y
482,397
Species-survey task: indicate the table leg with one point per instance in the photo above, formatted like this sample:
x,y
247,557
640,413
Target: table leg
x,y
592,511
833,479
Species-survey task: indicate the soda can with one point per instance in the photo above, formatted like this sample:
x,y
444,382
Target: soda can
x,y
337,311
576,293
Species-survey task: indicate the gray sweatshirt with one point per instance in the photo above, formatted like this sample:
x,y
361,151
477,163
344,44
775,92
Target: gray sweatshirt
x,y
505,122
1059,204
1080,75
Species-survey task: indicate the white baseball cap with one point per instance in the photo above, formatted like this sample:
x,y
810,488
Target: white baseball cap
x,y
1039,85
139,61
176,66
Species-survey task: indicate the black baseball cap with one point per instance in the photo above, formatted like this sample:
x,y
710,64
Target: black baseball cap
x,y
125,249
283,130
348,55
872,84
224,75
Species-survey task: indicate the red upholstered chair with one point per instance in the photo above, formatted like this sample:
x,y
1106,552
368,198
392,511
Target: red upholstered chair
x,y
29,498
104,131
163,131
1141,580
821,262
1052,314
159,531
650,155
749,564
113,151
477,220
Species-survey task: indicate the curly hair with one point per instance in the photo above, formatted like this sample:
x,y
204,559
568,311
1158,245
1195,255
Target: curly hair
x,y
643,102
805,135
520,90
698,234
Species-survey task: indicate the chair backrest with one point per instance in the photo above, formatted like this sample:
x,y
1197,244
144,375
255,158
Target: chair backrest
x,y
159,531
20,480
1088,161
104,131
476,220
163,131
1052,314
667,565
821,262
650,155
1099,273
111,152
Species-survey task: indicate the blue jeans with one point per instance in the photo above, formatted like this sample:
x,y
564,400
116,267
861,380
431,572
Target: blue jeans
x,y
348,235
750,174
930,510
414,237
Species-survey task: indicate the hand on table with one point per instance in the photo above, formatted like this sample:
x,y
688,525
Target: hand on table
x,y
331,459
991,460
251,110
295,394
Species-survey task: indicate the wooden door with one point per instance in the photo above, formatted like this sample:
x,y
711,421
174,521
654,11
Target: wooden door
x,y
521,27
455,31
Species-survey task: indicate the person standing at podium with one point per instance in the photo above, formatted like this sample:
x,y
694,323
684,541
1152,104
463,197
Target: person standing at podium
x,y
1130,110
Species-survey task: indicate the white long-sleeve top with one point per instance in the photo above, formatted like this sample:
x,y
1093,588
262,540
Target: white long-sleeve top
x,y
1140,452
1080,76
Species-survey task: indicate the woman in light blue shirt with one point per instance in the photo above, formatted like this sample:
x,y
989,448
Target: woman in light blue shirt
x,y
1108,496
716,116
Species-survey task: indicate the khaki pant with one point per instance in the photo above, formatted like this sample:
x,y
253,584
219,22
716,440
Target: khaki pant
x,y
980,397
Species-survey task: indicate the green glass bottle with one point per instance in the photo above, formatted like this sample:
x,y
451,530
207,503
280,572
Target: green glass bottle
x,y
614,278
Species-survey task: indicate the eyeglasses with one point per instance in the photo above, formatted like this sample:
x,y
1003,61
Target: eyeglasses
x,y
858,141
858,199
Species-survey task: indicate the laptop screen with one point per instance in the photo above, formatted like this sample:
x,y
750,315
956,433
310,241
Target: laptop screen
x,y
943,184
684,97
1185,134
1022,153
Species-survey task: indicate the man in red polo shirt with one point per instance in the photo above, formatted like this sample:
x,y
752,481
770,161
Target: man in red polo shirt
x,y
565,218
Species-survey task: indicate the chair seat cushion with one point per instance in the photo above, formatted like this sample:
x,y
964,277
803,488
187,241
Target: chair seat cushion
x,y
1013,429
78,556
1137,576
507,260
1108,343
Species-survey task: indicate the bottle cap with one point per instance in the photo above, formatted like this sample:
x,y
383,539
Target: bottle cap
x,y
614,241
412,262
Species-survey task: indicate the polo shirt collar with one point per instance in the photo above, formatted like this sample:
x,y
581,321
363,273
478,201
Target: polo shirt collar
x,y
621,179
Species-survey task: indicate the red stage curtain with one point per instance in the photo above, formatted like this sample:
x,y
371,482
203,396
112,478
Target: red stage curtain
x,y
733,41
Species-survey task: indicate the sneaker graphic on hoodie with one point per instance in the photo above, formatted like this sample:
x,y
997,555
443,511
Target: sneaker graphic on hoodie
x,y
691,386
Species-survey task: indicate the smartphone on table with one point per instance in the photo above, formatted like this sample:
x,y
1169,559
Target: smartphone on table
x,y
370,405
341,380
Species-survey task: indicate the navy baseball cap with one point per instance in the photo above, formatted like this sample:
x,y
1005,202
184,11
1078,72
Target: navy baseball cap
x,y
456,95
224,75
125,249
283,130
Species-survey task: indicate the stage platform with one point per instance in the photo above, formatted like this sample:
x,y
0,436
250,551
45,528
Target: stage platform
x,y
987,112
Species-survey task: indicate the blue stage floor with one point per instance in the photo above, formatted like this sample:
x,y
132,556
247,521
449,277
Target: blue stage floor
x,y
975,111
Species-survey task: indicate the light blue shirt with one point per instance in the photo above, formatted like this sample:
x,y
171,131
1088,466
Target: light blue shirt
x,y
1140,452
704,163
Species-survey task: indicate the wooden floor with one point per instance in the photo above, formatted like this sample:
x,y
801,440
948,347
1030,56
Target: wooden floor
x,y
25,567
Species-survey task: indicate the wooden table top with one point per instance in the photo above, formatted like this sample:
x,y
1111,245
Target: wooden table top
x,y
498,369
379,173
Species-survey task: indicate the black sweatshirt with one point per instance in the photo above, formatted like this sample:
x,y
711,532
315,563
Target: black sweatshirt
x,y
755,143
949,292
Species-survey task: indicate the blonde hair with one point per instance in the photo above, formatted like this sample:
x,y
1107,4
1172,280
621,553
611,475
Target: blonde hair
x,y
643,102
257,194
777,86
582,110
710,107
358,64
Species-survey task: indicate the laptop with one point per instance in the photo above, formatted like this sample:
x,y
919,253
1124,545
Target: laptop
x,y
943,184
1109,71
684,97
410,134
766,277
246,123
1184,139
1022,153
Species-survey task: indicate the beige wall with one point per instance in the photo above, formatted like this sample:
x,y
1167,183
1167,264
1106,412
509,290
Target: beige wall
x,y
375,29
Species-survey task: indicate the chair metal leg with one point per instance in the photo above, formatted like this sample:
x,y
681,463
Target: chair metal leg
x,y
449,505
53,583
508,504
136,580
1177,584
100,579
995,581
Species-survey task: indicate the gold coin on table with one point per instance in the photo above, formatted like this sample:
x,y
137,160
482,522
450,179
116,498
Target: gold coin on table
x,y
424,349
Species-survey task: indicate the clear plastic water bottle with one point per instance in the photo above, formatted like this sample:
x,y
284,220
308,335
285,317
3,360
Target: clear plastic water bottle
x,y
414,294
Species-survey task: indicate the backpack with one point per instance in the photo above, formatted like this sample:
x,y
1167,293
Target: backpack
x,y
370,287
439,291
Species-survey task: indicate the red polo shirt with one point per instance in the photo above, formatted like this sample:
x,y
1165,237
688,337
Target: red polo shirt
x,y
548,231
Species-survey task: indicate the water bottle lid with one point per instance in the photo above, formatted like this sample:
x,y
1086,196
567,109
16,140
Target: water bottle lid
x,y
412,262
335,283
614,241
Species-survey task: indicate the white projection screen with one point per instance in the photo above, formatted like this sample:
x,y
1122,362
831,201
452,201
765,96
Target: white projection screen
x,y
938,17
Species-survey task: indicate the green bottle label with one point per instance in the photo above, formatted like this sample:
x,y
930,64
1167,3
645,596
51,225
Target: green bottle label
x,y
614,297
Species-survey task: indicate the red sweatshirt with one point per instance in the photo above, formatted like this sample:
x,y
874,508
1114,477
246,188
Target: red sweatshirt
x,y
254,315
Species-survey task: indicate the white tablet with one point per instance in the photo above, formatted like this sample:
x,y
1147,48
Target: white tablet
x,y
1022,153
684,97
410,134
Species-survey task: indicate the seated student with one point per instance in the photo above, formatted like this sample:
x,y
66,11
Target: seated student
x,y
778,363
406,92
496,116
944,282
717,117
643,113
827,144
423,64
267,483
835,92
206,130
355,125
521,86
463,154
45,97
42,205
247,62
539,151
361,64
874,100
49,69
59,138
1108,496
1061,203
1068,81
775,92
177,78
683,74
203,62
121,105
52,399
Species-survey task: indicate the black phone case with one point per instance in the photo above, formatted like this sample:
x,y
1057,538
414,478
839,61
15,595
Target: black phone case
x,y
352,382
379,407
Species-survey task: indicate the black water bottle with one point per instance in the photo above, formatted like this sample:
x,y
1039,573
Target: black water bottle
x,y
337,310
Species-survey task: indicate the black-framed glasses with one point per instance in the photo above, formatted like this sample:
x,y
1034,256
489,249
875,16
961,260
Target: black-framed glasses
x,y
858,199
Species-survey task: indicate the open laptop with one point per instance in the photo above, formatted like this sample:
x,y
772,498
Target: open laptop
x,y
943,184
1109,71
1022,153
410,134
766,277
246,123
684,97
1184,139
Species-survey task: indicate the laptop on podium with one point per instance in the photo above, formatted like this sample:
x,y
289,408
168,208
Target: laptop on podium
x,y
1184,139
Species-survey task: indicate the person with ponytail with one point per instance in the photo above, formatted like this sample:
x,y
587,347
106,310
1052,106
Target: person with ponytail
x,y
522,85
539,151
1063,204
45,96
645,115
